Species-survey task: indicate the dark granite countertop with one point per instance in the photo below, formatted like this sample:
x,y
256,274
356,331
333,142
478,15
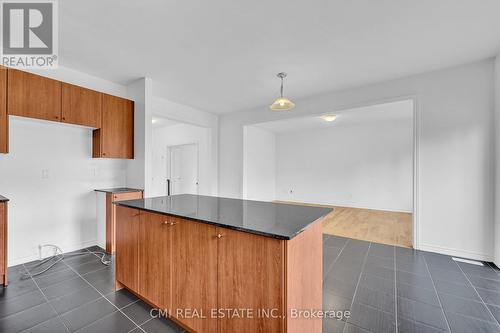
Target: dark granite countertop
x,y
3,199
118,190
277,220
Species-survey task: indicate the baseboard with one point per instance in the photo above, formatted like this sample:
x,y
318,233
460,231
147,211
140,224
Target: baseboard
x,y
22,260
455,252
345,206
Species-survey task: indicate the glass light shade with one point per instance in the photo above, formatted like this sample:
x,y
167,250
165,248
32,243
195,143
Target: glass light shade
x,y
282,104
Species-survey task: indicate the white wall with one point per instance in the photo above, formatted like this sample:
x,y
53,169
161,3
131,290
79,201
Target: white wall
x,y
455,150
259,164
140,168
189,115
60,209
368,164
178,135
497,161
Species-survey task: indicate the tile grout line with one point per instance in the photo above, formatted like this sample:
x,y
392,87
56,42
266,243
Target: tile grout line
x,y
47,300
396,315
437,296
137,326
338,255
359,279
474,287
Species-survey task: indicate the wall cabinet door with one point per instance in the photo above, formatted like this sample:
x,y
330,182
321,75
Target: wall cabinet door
x,y
254,266
4,118
154,258
33,96
194,273
127,246
115,138
81,106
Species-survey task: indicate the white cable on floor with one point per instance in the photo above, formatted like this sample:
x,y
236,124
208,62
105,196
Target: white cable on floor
x,y
59,257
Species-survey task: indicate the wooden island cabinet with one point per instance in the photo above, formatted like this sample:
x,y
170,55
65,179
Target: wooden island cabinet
x,y
217,279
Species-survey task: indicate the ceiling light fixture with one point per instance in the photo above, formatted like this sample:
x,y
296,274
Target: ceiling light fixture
x,y
282,103
329,117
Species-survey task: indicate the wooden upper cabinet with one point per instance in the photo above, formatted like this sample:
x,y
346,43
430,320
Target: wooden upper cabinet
x,y
33,96
81,106
115,138
127,246
4,118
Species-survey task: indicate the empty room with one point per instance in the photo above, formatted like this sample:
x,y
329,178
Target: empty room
x,y
221,166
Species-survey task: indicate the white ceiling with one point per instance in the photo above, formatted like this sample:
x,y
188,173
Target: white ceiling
x,y
387,112
222,55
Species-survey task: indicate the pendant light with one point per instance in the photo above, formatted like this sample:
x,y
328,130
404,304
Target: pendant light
x,y
282,103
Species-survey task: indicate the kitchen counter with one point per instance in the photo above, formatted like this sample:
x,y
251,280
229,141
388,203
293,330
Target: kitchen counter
x,y
209,254
119,190
277,220
3,199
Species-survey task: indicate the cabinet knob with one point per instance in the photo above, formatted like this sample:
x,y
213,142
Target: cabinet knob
x,y
173,223
165,223
219,236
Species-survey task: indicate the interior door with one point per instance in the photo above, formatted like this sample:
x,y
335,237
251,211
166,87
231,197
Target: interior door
x,y
182,165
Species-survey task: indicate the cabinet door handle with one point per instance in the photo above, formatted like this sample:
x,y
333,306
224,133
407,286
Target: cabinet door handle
x,y
219,236
173,223
165,223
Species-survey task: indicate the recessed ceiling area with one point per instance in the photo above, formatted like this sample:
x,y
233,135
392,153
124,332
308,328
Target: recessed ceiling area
x,y
386,112
222,56
159,121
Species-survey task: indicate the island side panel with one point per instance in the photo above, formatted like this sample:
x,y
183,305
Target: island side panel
x,y
304,278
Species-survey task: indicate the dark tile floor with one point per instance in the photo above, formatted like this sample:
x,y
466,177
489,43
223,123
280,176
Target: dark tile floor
x,y
76,295
386,289
393,289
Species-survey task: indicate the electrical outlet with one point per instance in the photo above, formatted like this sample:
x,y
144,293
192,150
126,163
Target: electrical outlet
x,y
45,173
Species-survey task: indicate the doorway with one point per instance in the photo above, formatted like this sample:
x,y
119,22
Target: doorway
x,y
182,169
361,162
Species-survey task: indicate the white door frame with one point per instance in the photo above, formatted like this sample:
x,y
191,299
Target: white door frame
x,y
169,161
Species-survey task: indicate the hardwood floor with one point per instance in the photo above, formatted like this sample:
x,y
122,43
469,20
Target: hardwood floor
x,y
392,228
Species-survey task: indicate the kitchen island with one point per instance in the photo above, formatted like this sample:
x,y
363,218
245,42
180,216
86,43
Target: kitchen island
x,y
223,265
